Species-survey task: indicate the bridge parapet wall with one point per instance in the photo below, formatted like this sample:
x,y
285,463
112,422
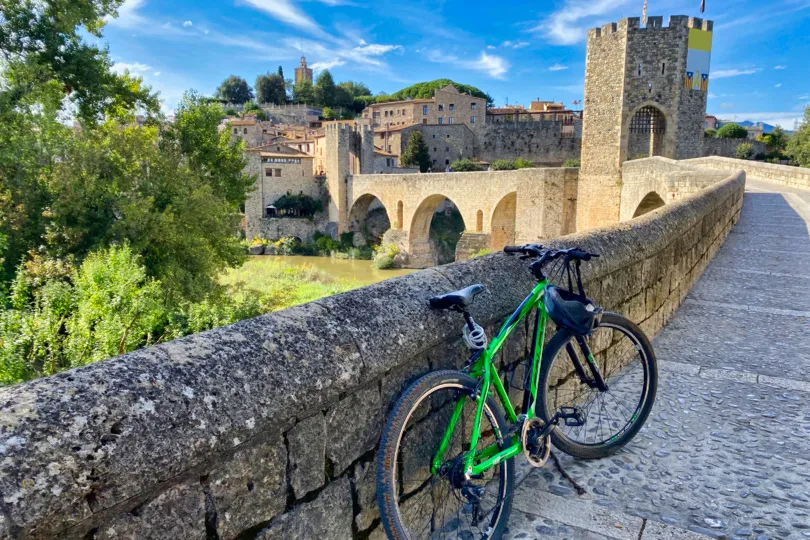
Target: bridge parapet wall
x,y
671,180
784,175
271,424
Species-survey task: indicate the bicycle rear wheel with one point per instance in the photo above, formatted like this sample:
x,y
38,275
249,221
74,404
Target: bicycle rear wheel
x,y
613,417
414,502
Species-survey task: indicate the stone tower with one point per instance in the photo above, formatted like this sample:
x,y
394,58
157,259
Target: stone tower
x,y
349,151
302,72
645,94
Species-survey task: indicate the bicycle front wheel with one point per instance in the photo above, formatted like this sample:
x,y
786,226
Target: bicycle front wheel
x,y
608,419
418,502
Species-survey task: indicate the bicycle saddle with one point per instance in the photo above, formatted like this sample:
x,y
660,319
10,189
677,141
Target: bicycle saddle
x,y
460,299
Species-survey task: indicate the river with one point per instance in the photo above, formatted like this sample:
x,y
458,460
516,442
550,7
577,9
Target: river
x,y
357,270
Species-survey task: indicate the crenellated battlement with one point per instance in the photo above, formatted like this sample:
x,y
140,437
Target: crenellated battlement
x,y
655,22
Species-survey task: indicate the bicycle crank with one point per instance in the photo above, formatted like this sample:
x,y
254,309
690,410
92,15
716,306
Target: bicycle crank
x,y
536,445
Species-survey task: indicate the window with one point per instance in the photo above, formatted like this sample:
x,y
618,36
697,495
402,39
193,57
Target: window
x,y
472,119
424,109
404,112
448,136
450,120
245,131
236,130
268,172
434,135
424,121
639,70
663,67
472,106
399,113
446,148
281,160
278,172
447,162
441,108
441,120
452,106
434,148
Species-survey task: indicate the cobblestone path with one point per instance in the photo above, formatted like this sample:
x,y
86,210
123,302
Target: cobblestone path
x,y
726,450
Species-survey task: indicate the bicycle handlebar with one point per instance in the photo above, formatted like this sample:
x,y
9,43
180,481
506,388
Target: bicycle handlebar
x,y
538,251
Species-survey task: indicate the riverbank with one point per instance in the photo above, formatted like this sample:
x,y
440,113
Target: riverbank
x,y
294,279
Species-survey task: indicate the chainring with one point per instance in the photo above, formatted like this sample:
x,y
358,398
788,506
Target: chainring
x,y
536,449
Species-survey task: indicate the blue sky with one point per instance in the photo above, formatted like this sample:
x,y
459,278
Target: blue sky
x,y
515,50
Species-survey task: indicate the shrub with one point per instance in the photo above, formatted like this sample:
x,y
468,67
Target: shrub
x,y
521,163
231,112
384,255
464,165
571,162
710,133
732,131
481,253
298,205
745,151
347,240
503,165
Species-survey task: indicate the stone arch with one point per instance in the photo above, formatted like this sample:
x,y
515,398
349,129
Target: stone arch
x,y
479,221
400,217
647,132
422,253
503,222
365,206
650,202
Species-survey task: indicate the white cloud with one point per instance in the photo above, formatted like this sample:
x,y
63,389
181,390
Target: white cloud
x,y
779,67
557,67
286,12
318,66
778,85
187,24
712,96
727,106
784,119
134,68
804,97
495,66
521,44
376,49
128,16
490,47
569,24
725,73
512,44
156,74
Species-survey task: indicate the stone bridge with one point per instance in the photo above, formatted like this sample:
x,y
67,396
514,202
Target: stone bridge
x,y
506,207
268,428
498,207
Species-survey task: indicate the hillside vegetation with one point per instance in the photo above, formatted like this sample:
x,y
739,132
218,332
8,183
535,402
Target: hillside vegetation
x,y
424,90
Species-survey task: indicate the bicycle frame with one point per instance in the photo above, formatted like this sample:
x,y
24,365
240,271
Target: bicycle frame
x,y
483,367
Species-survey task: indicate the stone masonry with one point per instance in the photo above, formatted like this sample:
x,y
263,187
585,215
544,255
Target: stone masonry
x,y
205,436
629,68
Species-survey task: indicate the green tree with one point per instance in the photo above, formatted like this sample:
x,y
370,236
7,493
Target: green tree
x,y
355,89
732,131
776,140
304,93
280,72
325,90
118,307
745,151
464,165
235,90
416,153
425,90
710,133
798,146
271,88
328,113
251,108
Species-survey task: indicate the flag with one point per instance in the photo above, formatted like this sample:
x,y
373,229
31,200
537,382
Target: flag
x,y
702,5
644,14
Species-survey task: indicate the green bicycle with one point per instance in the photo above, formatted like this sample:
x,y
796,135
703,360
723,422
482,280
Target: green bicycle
x,y
446,459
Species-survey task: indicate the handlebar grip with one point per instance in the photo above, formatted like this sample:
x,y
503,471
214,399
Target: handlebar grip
x,y
513,249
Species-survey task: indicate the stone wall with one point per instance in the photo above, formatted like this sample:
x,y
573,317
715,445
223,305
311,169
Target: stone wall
x,y
538,141
670,180
713,146
784,175
303,228
271,424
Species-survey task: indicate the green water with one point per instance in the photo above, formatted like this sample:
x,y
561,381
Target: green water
x,y
358,270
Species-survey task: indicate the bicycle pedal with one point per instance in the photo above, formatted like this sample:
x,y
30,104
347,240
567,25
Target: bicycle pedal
x,y
573,416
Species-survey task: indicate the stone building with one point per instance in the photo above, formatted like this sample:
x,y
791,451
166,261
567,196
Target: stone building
x,y
302,72
279,170
446,143
570,121
447,106
645,94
